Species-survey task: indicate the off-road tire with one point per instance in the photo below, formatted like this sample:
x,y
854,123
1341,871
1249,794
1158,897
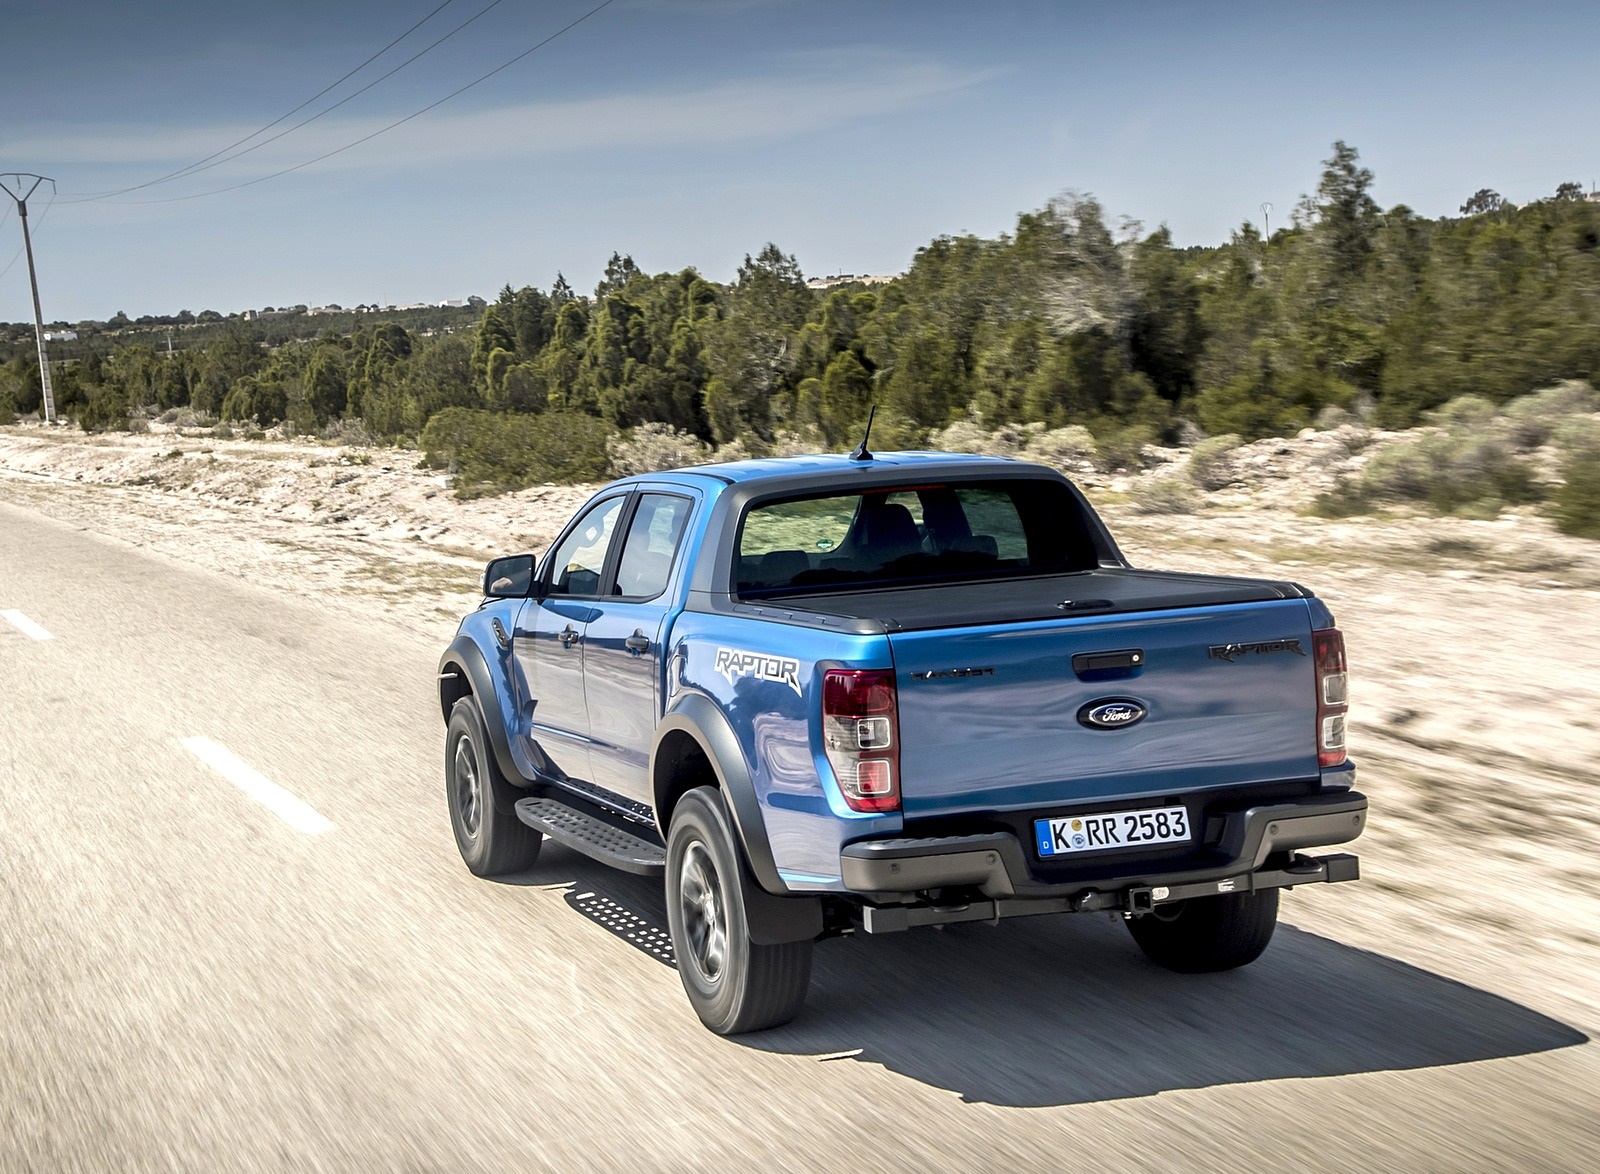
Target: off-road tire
x,y
1206,934
733,984
493,841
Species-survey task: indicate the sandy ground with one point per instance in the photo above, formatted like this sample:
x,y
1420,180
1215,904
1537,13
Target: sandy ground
x,y
1474,650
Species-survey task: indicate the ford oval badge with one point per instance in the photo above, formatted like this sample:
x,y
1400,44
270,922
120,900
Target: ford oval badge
x,y
1112,713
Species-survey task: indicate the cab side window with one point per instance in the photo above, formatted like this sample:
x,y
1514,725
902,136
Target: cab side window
x,y
577,564
652,541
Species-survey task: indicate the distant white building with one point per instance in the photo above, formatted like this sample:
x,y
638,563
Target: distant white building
x,y
61,336
852,279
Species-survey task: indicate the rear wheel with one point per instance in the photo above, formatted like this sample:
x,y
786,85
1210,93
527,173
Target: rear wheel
x,y
733,984
1206,934
482,803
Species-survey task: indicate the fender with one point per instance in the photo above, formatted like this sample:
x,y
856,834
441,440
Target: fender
x,y
465,658
775,914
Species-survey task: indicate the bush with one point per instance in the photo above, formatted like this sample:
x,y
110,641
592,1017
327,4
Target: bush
x,y
1061,447
1533,420
1162,495
185,417
1347,499
350,431
1474,475
1257,405
1211,465
1577,437
106,411
1463,412
1577,503
494,452
962,436
8,408
1333,416
1121,446
649,448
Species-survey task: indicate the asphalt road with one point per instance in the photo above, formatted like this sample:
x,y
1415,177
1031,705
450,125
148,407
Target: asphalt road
x,y
192,979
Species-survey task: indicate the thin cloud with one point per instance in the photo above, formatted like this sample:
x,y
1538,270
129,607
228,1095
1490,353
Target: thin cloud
x,y
808,93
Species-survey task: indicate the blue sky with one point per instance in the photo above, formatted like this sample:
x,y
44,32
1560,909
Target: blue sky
x,y
691,132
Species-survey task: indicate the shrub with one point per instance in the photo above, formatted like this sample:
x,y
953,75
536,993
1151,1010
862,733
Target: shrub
x,y
1254,405
962,436
1578,436
649,448
106,411
1121,446
1162,495
1532,420
493,452
1577,503
1211,464
1463,412
1347,499
807,442
8,408
1061,447
1475,475
1333,416
349,431
186,417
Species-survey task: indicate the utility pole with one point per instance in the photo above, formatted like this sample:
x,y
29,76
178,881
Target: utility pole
x,y
1266,222
13,184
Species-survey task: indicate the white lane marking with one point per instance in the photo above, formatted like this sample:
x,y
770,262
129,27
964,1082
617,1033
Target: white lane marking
x,y
24,625
294,811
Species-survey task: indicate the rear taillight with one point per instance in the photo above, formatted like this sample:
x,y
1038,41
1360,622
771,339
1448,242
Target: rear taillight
x,y
860,729
1333,695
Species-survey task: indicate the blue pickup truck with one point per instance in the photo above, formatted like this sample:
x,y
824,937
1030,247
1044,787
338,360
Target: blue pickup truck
x,y
836,695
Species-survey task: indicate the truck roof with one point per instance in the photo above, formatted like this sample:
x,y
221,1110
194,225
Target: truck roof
x,y
818,465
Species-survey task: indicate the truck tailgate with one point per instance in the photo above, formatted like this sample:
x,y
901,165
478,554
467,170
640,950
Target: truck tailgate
x,y
991,717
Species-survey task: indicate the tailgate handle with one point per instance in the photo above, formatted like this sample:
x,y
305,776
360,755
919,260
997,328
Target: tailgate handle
x,y
1107,666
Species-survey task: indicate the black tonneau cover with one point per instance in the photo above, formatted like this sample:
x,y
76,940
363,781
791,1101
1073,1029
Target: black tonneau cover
x,y
1107,591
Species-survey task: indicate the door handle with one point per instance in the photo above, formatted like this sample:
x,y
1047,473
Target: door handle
x,y
569,636
637,643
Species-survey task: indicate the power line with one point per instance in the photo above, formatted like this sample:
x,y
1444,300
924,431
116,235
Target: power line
x,y
207,163
383,130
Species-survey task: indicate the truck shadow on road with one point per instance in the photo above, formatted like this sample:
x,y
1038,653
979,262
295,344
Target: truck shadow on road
x,y
1065,1010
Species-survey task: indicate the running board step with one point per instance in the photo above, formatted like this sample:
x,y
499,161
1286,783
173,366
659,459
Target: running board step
x,y
593,836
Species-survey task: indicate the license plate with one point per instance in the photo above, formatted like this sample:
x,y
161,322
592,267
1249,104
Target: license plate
x,y
1072,834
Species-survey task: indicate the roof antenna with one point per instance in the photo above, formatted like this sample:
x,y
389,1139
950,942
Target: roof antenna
x,y
861,453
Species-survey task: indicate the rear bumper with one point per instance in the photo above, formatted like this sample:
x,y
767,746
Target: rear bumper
x,y
996,864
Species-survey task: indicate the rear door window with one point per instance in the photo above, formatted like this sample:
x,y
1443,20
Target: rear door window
x,y
651,544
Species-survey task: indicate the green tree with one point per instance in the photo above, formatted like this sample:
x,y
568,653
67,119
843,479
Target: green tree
x,y
494,334
327,383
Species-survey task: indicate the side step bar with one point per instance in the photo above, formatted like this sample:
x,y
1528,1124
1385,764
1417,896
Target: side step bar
x,y
593,836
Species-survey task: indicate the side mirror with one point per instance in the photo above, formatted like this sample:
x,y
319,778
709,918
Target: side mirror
x,y
510,577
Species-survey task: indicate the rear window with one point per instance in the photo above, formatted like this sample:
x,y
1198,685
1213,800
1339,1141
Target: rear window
x,y
920,533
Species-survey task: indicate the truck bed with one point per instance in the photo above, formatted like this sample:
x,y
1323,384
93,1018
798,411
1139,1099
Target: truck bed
x,y
1102,592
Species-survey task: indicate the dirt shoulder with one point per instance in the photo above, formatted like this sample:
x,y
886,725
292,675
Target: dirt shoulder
x,y
1474,648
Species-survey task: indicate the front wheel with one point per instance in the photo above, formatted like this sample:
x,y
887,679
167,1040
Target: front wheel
x,y
482,804
1205,934
733,984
